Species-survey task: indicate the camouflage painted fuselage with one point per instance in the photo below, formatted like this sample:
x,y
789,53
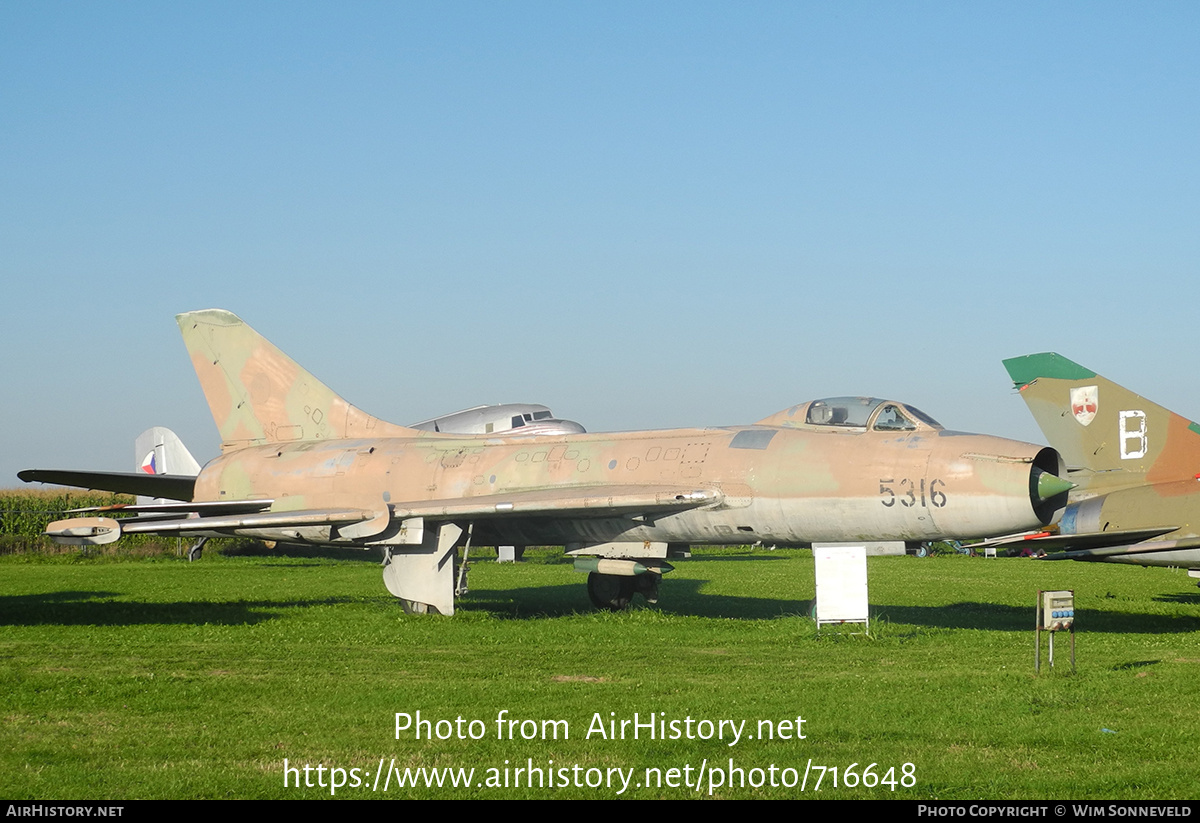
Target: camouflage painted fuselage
x,y
777,484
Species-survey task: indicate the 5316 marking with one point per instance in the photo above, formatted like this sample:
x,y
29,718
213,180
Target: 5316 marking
x,y
912,492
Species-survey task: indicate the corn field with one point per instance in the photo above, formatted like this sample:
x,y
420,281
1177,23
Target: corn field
x,y
25,513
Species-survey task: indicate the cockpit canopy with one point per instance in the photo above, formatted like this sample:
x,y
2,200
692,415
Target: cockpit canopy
x,y
855,414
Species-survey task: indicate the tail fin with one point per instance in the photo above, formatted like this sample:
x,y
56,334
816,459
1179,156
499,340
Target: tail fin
x,y
160,451
258,395
1103,428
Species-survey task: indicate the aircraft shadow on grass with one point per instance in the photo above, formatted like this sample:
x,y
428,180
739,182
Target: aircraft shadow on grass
x,y
999,617
103,608
569,597
686,600
1186,598
735,558
98,608
253,548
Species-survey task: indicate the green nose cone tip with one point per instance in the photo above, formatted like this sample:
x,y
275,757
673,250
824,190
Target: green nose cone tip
x,y
1049,485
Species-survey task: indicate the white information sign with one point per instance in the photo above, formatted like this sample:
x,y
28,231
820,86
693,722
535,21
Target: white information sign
x,y
841,583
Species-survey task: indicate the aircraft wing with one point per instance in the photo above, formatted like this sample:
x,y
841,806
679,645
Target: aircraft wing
x,y
1109,553
171,486
257,520
565,501
100,530
1048,542
175,509
1098,546
362,523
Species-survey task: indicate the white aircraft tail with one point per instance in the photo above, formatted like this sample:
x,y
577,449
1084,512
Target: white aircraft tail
x,y
158,450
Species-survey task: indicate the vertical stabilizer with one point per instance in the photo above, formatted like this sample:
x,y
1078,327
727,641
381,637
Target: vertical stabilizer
x,y
258,395
1117,436
158,450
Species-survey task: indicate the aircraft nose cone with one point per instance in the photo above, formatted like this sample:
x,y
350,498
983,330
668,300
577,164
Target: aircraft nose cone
x,y
1049,485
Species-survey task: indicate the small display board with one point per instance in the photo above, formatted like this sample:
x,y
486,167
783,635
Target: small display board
x,y
841,572
1058,611
1055,613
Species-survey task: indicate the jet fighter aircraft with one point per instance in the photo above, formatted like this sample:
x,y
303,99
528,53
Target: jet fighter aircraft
x,y
1135,464
299,464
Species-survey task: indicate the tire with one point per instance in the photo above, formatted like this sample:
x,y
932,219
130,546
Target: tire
x,y
609,591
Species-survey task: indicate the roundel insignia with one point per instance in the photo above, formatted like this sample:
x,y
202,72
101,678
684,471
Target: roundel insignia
x,y
1085,400
149,464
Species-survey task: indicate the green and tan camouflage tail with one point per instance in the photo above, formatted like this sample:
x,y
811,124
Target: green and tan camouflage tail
x,y
1109,436
259,395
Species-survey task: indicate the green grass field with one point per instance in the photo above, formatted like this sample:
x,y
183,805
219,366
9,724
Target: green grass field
x,y
155,678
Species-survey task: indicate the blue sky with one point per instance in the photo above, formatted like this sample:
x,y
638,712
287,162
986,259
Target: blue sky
x,y
644,215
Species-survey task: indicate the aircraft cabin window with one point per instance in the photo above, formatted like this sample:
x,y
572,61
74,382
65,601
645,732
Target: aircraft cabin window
x,y
891,419
517,421
544,415
844,412
923,417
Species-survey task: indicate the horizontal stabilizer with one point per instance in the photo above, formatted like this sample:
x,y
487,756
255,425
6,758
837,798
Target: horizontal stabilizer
x,y
171,486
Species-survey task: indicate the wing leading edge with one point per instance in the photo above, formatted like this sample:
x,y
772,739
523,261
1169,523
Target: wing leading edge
x,y
376,524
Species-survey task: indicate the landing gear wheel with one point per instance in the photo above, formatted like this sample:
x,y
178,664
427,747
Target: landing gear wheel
x,y
647,586
610,591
